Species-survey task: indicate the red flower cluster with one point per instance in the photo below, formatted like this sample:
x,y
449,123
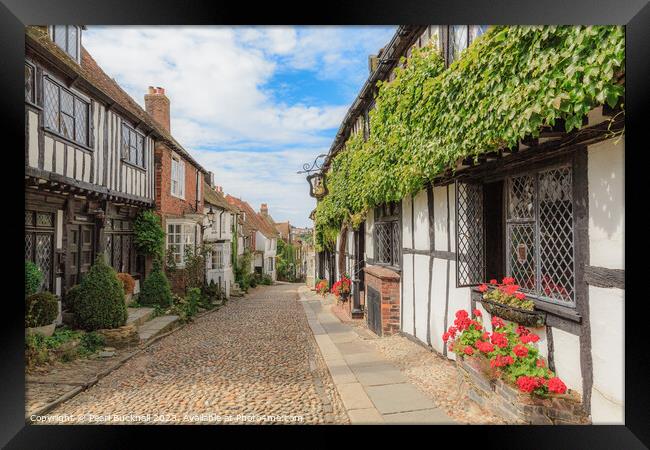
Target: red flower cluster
x,y
342,286
556,385
468,351
321,287
529,384
497,322
528,338
520,350
501,361
485,347
477,313
499,339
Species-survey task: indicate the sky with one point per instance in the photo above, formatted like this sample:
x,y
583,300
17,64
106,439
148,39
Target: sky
x,y
251,104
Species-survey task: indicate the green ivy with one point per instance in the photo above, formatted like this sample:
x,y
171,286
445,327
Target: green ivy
x,y
512,82
149,236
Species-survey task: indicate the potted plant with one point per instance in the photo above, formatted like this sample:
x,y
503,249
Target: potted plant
x,y
342,288
321,287
505,300
41,310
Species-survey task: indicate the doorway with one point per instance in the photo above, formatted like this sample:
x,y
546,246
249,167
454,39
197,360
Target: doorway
x,y
80,252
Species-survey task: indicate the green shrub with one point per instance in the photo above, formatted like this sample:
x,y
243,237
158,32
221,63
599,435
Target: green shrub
x,y
33,278
71,297
36,351
210,293
90,343
156,289
266,280
100,302
41,309
193,299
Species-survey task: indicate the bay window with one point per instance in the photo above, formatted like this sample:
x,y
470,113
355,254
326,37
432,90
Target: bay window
x,y
180,237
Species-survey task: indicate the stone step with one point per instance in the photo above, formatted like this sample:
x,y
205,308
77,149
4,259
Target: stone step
x,y
138,316
157,326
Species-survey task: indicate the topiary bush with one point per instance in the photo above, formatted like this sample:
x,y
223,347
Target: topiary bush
x,y
71,297
100,303
149,236
33,278
156,289
41,309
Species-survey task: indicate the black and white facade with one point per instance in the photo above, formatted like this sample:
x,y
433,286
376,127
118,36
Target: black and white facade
x,y
88,162
550,214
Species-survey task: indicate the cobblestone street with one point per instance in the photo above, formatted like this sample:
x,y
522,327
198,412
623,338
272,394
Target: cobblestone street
x,y
254,357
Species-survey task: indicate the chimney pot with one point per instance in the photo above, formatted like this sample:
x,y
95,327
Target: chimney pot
x,y
157,106
264,209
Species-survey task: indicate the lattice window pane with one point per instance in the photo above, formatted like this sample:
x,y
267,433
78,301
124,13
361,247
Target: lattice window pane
x,y
29,247
395,244
81,121
51,104
72,41
109,247
556,234
60,36
521,197
125,142
117,252
470,253
521,242
67,126
43,257
29,218
29,83
126,253
44,220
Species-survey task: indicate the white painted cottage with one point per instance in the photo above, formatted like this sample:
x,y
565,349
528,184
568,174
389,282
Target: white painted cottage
x,y
549,213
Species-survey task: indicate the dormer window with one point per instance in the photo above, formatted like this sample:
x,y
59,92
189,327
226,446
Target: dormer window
x,y
68,37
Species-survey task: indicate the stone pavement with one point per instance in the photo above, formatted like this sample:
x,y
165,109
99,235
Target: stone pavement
x,y
372,389
254,360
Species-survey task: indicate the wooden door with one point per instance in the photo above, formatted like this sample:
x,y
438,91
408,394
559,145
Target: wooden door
x,y
80,252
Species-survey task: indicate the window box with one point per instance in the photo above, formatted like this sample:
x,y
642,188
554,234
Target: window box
x,y
521,316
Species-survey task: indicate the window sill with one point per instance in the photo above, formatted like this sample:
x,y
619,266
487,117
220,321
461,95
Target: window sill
x,y
33,105
135,166
68,140
177,196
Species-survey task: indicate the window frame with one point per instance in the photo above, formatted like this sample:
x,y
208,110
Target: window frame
x,y
75,99
34,97
177,170
183,241
392,220
128,159
77,46
446,38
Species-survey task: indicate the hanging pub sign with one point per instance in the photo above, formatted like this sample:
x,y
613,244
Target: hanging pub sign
x,y
522,253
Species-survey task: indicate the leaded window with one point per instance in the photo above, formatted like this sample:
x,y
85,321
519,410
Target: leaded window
x,y
470,250
67,38
65,113
30,83
387,234
132,146
39,243
539,232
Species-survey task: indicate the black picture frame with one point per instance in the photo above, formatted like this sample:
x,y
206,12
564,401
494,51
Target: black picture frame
x,y
635,14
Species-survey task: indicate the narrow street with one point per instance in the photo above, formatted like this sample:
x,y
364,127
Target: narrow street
x,y
254,357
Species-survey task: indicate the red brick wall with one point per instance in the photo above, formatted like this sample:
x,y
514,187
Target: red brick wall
x,y
386,282
168,205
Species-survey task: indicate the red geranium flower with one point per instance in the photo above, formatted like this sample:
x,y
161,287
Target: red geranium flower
x,y
468,350
556,386
477,313
508,280
493,281
540,363
485,336
483,288
520,295
520,350
497,322
528,338
445,336
485,347
499,339
529,384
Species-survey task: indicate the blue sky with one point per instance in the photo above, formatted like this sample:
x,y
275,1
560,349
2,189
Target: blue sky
x,y
252,104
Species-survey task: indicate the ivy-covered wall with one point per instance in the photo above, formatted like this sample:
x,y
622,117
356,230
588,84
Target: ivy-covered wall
x,y
510,83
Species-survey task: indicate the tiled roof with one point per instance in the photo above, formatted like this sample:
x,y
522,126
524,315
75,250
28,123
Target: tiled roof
x,y
284,229
89,72
216,198
256,221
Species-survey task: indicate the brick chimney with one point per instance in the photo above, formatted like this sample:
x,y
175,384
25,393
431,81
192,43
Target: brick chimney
x,y
264,209
157,105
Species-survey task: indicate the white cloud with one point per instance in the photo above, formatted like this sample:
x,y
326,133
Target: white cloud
x,y
224,96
